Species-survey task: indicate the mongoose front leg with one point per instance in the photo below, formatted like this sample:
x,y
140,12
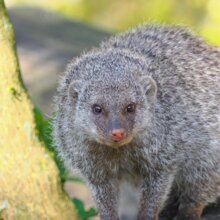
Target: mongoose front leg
x,y
153,194
190,212
106,196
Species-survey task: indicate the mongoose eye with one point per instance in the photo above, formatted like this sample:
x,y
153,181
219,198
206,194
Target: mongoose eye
x,y
96,109
130,108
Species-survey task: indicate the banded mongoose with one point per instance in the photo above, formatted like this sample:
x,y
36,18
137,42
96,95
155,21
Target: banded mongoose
x,y
145,107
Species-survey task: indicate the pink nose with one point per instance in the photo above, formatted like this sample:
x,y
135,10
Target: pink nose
x,y
117,134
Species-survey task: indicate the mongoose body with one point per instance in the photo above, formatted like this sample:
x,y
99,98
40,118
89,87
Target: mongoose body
x,y
145,106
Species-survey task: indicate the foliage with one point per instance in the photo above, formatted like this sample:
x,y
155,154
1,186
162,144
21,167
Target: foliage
x,y
117,15
84,214
45,134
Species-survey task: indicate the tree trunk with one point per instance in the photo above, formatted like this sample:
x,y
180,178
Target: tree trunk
x,y
30,187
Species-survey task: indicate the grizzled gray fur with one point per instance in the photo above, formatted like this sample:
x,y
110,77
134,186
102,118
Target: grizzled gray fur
x,y
144,107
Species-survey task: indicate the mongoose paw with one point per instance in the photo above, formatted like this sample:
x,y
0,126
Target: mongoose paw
x,y
188,217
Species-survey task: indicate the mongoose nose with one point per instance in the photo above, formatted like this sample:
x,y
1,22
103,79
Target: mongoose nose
x,y
117,134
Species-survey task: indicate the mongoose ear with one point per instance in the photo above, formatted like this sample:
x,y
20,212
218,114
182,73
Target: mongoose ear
x,y
149,87
74,90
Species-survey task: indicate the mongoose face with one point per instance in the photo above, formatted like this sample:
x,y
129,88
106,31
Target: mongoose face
x,y
111,104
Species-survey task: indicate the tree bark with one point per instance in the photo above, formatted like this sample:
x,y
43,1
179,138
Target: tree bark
x,y
30,187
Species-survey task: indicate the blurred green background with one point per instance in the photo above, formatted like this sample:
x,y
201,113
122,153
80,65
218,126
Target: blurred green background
x,y
117,15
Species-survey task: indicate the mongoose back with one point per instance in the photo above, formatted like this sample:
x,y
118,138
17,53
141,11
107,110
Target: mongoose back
x,y
145,107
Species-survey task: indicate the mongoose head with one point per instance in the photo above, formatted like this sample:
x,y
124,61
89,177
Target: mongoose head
x,y
113,99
